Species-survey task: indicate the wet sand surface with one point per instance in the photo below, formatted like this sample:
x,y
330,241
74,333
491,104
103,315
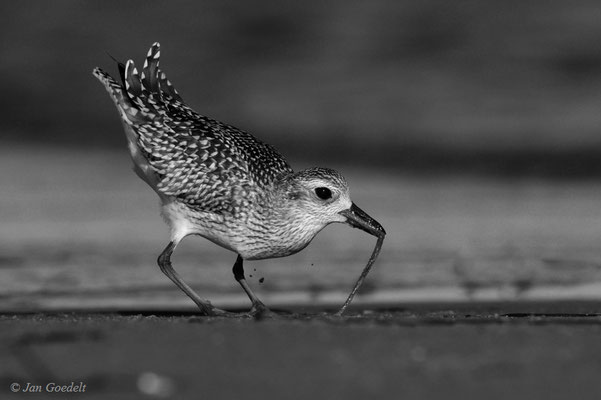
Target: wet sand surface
x,y
84,237
83,233
460,351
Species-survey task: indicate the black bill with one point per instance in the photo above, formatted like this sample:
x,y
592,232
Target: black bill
x,y
357,218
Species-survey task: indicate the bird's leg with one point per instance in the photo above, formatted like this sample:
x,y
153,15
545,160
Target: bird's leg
x,y
206,308
258,308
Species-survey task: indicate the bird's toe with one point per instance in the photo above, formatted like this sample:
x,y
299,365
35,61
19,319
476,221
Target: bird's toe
x,y
260,311
217,312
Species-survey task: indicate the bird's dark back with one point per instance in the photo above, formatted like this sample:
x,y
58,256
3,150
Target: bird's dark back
x,y
206,164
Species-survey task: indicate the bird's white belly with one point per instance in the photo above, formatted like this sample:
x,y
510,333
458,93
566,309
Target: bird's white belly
x,y
279,244
240,236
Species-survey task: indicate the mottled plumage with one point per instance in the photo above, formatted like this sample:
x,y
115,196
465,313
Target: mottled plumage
x,y
218,181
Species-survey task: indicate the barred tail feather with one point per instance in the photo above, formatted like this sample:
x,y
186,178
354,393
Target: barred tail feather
x,y
128,111
133,84
144,96
167,88
151,67
154,79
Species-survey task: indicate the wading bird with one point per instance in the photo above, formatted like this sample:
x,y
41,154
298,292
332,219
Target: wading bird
x,y
219,182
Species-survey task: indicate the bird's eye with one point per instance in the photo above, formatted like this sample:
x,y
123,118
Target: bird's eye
x,y
323,193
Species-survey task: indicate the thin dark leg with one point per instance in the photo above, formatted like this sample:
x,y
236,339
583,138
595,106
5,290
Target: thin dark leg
x,y
206,308
258,308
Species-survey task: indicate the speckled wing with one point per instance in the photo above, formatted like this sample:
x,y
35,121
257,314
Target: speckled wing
x,y
209,165
206,164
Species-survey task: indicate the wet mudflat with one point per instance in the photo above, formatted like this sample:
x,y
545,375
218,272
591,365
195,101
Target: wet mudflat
x,y
84,237
461,351
83,233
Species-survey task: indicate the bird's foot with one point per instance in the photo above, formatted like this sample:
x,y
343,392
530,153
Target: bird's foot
x,y
260,311
208,310
217,312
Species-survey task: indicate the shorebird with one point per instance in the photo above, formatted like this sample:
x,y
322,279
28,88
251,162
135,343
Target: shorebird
x,y
219,182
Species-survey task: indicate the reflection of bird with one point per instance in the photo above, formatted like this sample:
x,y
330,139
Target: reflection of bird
x,y
222,183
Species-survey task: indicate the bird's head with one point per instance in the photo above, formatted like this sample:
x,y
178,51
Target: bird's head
x,y
320,196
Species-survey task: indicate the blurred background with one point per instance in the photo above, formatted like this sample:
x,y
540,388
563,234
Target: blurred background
x,y
470,130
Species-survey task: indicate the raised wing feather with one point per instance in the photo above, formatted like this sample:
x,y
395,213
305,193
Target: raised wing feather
x,y
206,164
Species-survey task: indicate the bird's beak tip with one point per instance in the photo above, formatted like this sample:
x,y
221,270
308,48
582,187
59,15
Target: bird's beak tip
x,y
358,218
